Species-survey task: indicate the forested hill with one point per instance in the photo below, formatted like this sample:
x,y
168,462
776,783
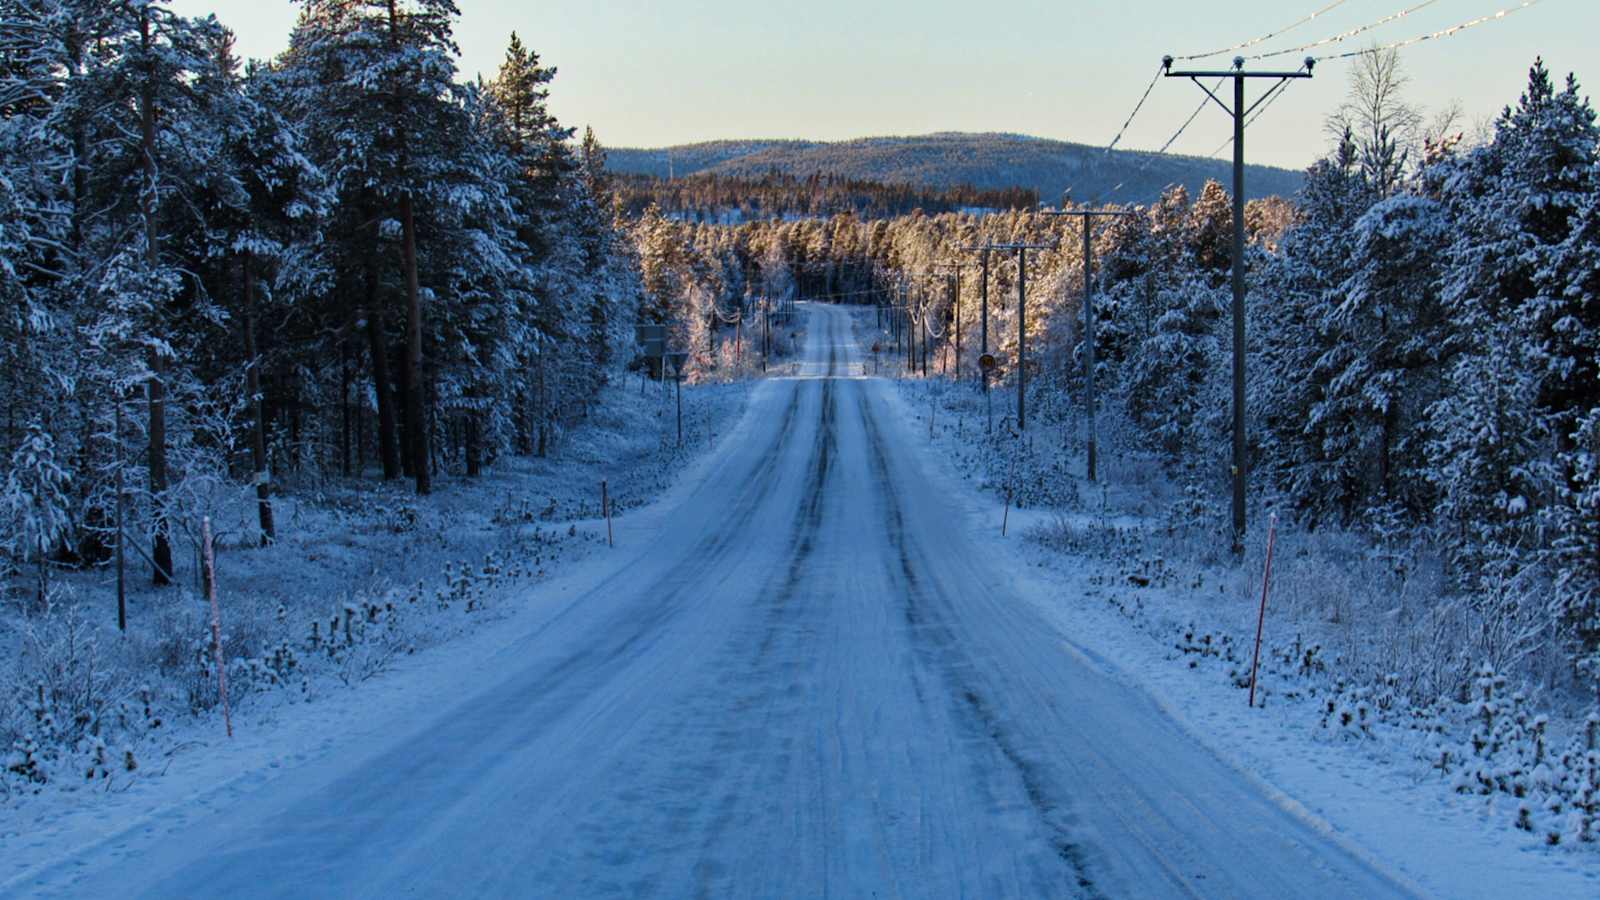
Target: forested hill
x,y
946,160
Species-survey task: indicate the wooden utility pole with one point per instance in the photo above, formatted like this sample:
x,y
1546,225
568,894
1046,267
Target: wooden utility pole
x,y
1240,113
955,306
1022,318
983,313
1086,216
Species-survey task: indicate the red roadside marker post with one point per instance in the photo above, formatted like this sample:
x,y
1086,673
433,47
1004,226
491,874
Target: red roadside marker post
x,y
605,508
1266,578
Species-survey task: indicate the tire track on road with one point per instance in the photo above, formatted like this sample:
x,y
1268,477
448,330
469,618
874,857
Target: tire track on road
x,y
942,651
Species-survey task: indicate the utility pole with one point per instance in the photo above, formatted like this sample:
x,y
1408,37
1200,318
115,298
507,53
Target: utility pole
x,y
1022,340
908,325
1239,112
955,305
983,339
1022,318
983,315
924,306
900,320
921,324
1085,217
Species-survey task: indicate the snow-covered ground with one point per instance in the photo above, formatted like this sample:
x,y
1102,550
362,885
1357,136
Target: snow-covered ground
x,y
1102,563
422,574
812,667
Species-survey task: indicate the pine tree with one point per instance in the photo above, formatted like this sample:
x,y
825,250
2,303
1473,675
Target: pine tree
x,y
263,212
1516,201
374,83
34,503
1384,341
1291,332
150,155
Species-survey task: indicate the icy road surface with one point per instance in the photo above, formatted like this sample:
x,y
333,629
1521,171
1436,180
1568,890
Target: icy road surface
x,y
808,684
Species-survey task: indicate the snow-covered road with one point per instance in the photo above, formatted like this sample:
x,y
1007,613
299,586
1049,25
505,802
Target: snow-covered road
x,y
806,680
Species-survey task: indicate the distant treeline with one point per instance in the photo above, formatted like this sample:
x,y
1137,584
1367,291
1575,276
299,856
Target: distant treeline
x,y
707,197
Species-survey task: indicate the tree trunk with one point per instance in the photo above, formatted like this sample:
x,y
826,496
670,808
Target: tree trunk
x,y
155,387
521,419
388,442
258,436
544,412
418,435
408,427
474,445
361,438
344,407
297,407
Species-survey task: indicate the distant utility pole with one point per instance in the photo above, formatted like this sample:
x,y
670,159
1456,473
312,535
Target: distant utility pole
x,y
1085,217
922,304
908,325
1022,321
955,304
984,360
983,300
1239,112
918,323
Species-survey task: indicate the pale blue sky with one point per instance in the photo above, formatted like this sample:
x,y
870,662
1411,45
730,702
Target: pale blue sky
x,y
652,73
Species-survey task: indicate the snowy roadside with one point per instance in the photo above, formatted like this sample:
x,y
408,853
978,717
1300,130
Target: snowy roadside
x,y
1097,561
379,605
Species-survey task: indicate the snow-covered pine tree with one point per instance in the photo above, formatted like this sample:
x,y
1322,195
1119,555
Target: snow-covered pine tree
x,y
34,501
1565,324
373,86
1211,232
1384,334
263,206
541,159
147,155
1295,288
1507,410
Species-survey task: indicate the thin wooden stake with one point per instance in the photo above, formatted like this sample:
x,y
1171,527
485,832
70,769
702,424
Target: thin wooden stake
x,y
1266,577
216,622
605,507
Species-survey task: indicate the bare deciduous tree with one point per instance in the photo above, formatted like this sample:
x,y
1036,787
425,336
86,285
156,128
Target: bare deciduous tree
x,y
1387,130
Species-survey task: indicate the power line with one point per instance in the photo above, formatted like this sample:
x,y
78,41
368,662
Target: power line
x,y
1157,77
1136,107
1442,33
1437,35
1264,104
1270,35
1190,121
1347,35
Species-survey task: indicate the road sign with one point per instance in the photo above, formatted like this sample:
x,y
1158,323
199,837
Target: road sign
x,y
986,362
655,346
644,333
677,359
